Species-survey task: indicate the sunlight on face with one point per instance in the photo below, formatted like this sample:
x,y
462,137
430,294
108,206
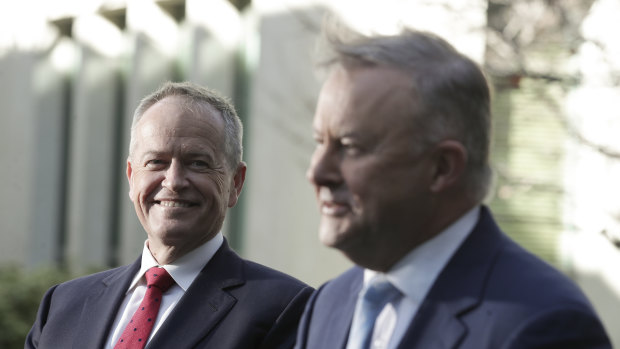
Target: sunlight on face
x,y
179,180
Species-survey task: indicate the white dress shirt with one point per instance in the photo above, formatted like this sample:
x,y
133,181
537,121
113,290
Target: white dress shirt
x,y
184,271
414,275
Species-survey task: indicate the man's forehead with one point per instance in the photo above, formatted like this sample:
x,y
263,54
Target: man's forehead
x,y
352,94
175,111
183,105
174,143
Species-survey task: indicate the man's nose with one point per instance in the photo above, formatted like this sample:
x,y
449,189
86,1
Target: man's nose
x,y
175,177
324,168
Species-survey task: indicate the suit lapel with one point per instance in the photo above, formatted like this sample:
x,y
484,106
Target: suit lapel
x,y
205,303
437,325
344,315
458,289
332,312
101,306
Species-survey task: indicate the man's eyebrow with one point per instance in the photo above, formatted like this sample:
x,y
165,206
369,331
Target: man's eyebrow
x,y
350,134
152,153
193,153
199,154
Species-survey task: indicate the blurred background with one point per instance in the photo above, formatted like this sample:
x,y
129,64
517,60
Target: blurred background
x,y
72,71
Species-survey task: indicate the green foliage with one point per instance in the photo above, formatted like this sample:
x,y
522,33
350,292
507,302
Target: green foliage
x,y
20,294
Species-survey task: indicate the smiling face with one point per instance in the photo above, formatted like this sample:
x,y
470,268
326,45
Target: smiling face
x,y
179,180
371,180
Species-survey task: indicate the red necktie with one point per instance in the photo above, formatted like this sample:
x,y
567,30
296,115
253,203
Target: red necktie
x,y
139,327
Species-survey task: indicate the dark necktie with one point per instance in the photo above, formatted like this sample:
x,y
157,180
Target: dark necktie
x,y
139,327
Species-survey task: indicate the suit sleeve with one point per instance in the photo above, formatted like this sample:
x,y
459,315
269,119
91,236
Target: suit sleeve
x,y
561,329
282,334
32,339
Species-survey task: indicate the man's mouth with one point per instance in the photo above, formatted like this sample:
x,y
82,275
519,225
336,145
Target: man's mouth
x,y
330,204
332,208
169,203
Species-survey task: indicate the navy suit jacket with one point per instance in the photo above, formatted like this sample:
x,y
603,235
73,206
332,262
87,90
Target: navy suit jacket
x,y
233,303
492,294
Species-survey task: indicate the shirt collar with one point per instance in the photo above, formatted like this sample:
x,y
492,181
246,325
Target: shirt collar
x,y
183,270
415,273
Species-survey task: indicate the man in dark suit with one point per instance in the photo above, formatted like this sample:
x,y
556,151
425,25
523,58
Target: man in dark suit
x,y
400,170
188,289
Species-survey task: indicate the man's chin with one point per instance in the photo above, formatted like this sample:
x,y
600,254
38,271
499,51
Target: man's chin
x,y
169,234
334,238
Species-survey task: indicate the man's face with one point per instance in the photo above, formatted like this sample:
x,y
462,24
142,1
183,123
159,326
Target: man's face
x,y
179,180
371,182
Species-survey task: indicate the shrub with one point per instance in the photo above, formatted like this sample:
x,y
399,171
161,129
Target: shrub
x,y
20,293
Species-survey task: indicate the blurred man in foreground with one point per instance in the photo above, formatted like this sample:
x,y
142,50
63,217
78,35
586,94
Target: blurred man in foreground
x,y
400,170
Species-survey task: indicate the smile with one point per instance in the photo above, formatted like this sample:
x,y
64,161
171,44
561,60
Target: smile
x,y
174,204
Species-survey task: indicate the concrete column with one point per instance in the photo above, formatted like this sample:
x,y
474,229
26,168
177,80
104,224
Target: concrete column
x,y
281,216
93,145
209,44
52,90
18,153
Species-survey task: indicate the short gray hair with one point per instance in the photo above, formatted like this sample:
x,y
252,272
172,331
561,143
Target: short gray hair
x,y
199,96
452,90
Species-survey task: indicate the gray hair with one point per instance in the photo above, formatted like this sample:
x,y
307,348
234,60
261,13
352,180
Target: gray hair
x,y
198,96
452,91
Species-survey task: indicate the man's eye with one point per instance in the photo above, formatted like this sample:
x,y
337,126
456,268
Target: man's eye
x,y
199,164
155,163
350,148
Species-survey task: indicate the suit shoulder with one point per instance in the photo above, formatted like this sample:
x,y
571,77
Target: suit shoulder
x,y
346,279
343,285
510,271
520,273
87,281
541,302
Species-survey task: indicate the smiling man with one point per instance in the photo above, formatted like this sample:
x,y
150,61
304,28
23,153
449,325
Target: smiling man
x,y
188,289
400,170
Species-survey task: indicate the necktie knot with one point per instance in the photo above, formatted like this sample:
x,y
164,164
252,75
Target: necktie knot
x,y
380,292
159,278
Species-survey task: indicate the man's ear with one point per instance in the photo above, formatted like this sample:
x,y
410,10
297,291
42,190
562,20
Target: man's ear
x,y
129,178
450,160
237,184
